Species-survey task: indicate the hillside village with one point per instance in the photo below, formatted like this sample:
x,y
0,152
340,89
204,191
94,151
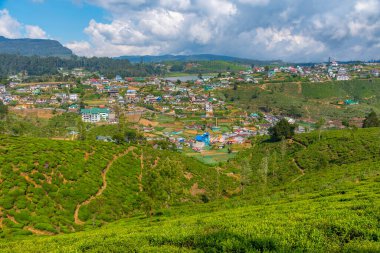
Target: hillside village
x,y
187,111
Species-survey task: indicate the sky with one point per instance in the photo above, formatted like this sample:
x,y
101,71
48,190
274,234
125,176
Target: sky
x,y
289,30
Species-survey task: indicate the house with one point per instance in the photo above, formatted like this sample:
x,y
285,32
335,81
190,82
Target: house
x,y
73,97
351,102
118,78
131,96
374,73
94,115
209,109
62,96
73,108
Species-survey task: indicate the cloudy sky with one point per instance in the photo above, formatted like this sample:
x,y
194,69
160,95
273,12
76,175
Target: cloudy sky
x,y
291,30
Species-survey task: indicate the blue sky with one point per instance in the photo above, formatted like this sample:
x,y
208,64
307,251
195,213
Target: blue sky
x,y
61,19
291,30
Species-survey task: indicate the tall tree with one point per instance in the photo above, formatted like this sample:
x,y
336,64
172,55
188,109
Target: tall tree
x,y
320,125
245,174
161,184
282,130
371,120
3,110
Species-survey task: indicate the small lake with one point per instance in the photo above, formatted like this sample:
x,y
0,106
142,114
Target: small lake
x,y
185,78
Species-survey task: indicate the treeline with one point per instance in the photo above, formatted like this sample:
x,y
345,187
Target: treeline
x,y
38,66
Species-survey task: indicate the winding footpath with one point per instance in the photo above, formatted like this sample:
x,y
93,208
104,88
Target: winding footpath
x,y
300,168
101,189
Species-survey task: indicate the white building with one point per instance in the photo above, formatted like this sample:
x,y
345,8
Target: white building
x,y
73,97
94,115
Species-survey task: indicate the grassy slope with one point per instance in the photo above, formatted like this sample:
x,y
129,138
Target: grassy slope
x,y
43,181
332,207
310,99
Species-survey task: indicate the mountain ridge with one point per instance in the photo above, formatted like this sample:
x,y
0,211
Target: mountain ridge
x,y
31,47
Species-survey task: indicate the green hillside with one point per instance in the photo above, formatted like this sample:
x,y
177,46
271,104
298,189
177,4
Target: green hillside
x,y
308,100
309,194
51,187
30,47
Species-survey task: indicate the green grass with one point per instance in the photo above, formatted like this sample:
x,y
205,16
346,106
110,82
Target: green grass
x,y
44,180
333,206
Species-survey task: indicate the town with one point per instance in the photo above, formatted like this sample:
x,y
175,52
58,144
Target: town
x,y
187,111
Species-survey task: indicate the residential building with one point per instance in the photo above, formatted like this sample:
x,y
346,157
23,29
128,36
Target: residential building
x,y
73,97
94,115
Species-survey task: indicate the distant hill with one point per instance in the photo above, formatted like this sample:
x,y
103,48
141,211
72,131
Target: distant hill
x,y
195,57
30,47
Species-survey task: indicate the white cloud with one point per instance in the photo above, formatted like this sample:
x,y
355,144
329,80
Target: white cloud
x,y
200,32
287,29
367,7
11,28
80,47
117,32
162,23
255,2
176,4
35,32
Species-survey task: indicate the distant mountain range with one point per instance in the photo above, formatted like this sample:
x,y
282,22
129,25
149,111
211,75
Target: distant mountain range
x,y
30,47
195,57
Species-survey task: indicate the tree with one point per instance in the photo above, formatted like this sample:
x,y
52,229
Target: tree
x,y
81,130
282,130
245,174
319,125
160,185
346,123
371,120
170,171
3,110
263,170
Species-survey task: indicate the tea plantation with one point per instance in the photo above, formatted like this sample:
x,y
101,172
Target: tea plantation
x,y
53,187
309,194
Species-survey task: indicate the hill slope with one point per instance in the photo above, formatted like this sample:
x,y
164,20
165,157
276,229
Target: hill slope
x,y
30,47
308,100
302,195
51,187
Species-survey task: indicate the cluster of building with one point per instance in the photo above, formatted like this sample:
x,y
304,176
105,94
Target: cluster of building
x,y
38,95
5,97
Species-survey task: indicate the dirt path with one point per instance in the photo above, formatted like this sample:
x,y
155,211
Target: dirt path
x,y
38,232
29,180
302,170
299,167
11,218
308,112
299,143
299,88
263,86
101,189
